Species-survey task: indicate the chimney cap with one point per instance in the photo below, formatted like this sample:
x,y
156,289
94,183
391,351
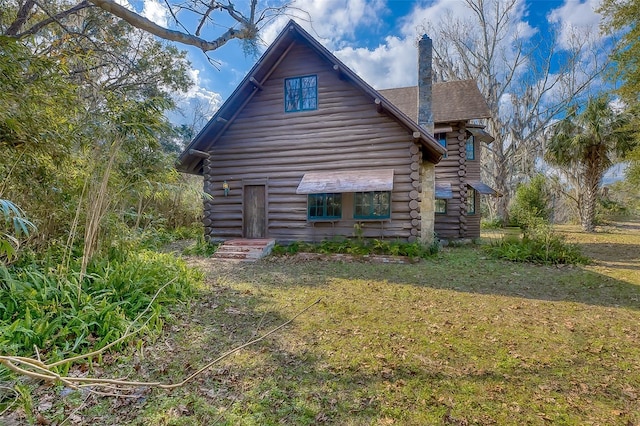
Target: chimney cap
x,y
425,37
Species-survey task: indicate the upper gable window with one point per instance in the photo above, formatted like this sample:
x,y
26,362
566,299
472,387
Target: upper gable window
x,y
301,93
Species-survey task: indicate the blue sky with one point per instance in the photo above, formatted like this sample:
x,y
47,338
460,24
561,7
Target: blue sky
x,y
376,38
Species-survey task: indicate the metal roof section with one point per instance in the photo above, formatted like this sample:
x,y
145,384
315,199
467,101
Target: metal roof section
x,y
480,134
482,188
346,181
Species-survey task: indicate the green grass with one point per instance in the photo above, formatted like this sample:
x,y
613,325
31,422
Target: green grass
x,y
456,339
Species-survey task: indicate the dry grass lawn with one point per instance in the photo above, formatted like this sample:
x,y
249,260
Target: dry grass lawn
x,y
460,339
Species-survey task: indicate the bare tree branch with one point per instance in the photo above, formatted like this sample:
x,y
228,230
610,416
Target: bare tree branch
x,y
175,18
37,369
55,18
527,82
145,24
21,18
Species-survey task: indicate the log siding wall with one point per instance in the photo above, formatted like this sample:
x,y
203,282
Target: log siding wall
x,y
457,170
345,133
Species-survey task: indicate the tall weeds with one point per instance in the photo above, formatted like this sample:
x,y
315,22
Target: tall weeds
x,y
61,315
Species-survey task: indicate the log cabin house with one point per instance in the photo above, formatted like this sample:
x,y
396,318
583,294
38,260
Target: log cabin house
x,y
305,150
457,106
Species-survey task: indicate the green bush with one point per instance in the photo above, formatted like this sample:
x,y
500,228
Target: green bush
x,y
610,208
539,244
495,223
202,247
13,225
60,315
530,203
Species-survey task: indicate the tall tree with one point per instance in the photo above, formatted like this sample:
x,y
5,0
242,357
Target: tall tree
x,y
583,146
38,129
57,106
31,17
622,17
527,81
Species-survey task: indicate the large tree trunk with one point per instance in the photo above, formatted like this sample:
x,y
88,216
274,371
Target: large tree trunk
x,y
502,186
590,200
588,210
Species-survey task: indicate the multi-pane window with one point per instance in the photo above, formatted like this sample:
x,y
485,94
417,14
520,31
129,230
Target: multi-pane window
x,y
471,152
301,93
441,206
471,201
442,140
372,205
324,206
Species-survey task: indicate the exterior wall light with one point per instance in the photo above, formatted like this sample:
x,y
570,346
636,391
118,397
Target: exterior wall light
x,y
225,188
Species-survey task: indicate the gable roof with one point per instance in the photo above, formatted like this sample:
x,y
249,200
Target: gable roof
x,y
192,158
459,100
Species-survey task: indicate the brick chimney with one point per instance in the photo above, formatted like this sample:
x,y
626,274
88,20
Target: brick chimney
x,y
425,54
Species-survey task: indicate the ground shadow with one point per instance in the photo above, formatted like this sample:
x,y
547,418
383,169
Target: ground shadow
x,y
462,270
299,378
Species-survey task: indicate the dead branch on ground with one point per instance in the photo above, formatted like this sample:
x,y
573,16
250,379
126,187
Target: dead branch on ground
x,y
37,369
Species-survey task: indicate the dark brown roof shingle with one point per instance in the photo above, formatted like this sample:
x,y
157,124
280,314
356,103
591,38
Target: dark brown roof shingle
x,y
452,101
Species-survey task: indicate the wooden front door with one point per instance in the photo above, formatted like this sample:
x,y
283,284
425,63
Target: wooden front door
x,y
254,220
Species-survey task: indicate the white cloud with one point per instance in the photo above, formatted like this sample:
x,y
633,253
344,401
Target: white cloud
x,y
333,22
423,19
576,19
198,104
198,91
156,12
392,64
125,3
153,10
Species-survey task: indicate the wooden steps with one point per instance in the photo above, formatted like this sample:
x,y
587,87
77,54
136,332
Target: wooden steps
x,y
244,250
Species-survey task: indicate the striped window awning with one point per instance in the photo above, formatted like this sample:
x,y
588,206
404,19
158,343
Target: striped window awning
x,y
349,181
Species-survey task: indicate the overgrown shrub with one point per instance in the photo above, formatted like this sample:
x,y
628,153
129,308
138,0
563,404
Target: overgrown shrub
x,y
530,202
59,315
360,247
13,226
539,244
202,247
495,223
610,208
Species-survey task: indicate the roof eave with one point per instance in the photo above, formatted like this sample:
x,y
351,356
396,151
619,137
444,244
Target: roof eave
x,y
186,162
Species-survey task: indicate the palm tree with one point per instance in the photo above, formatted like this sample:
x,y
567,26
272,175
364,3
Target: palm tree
x,y
583,146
